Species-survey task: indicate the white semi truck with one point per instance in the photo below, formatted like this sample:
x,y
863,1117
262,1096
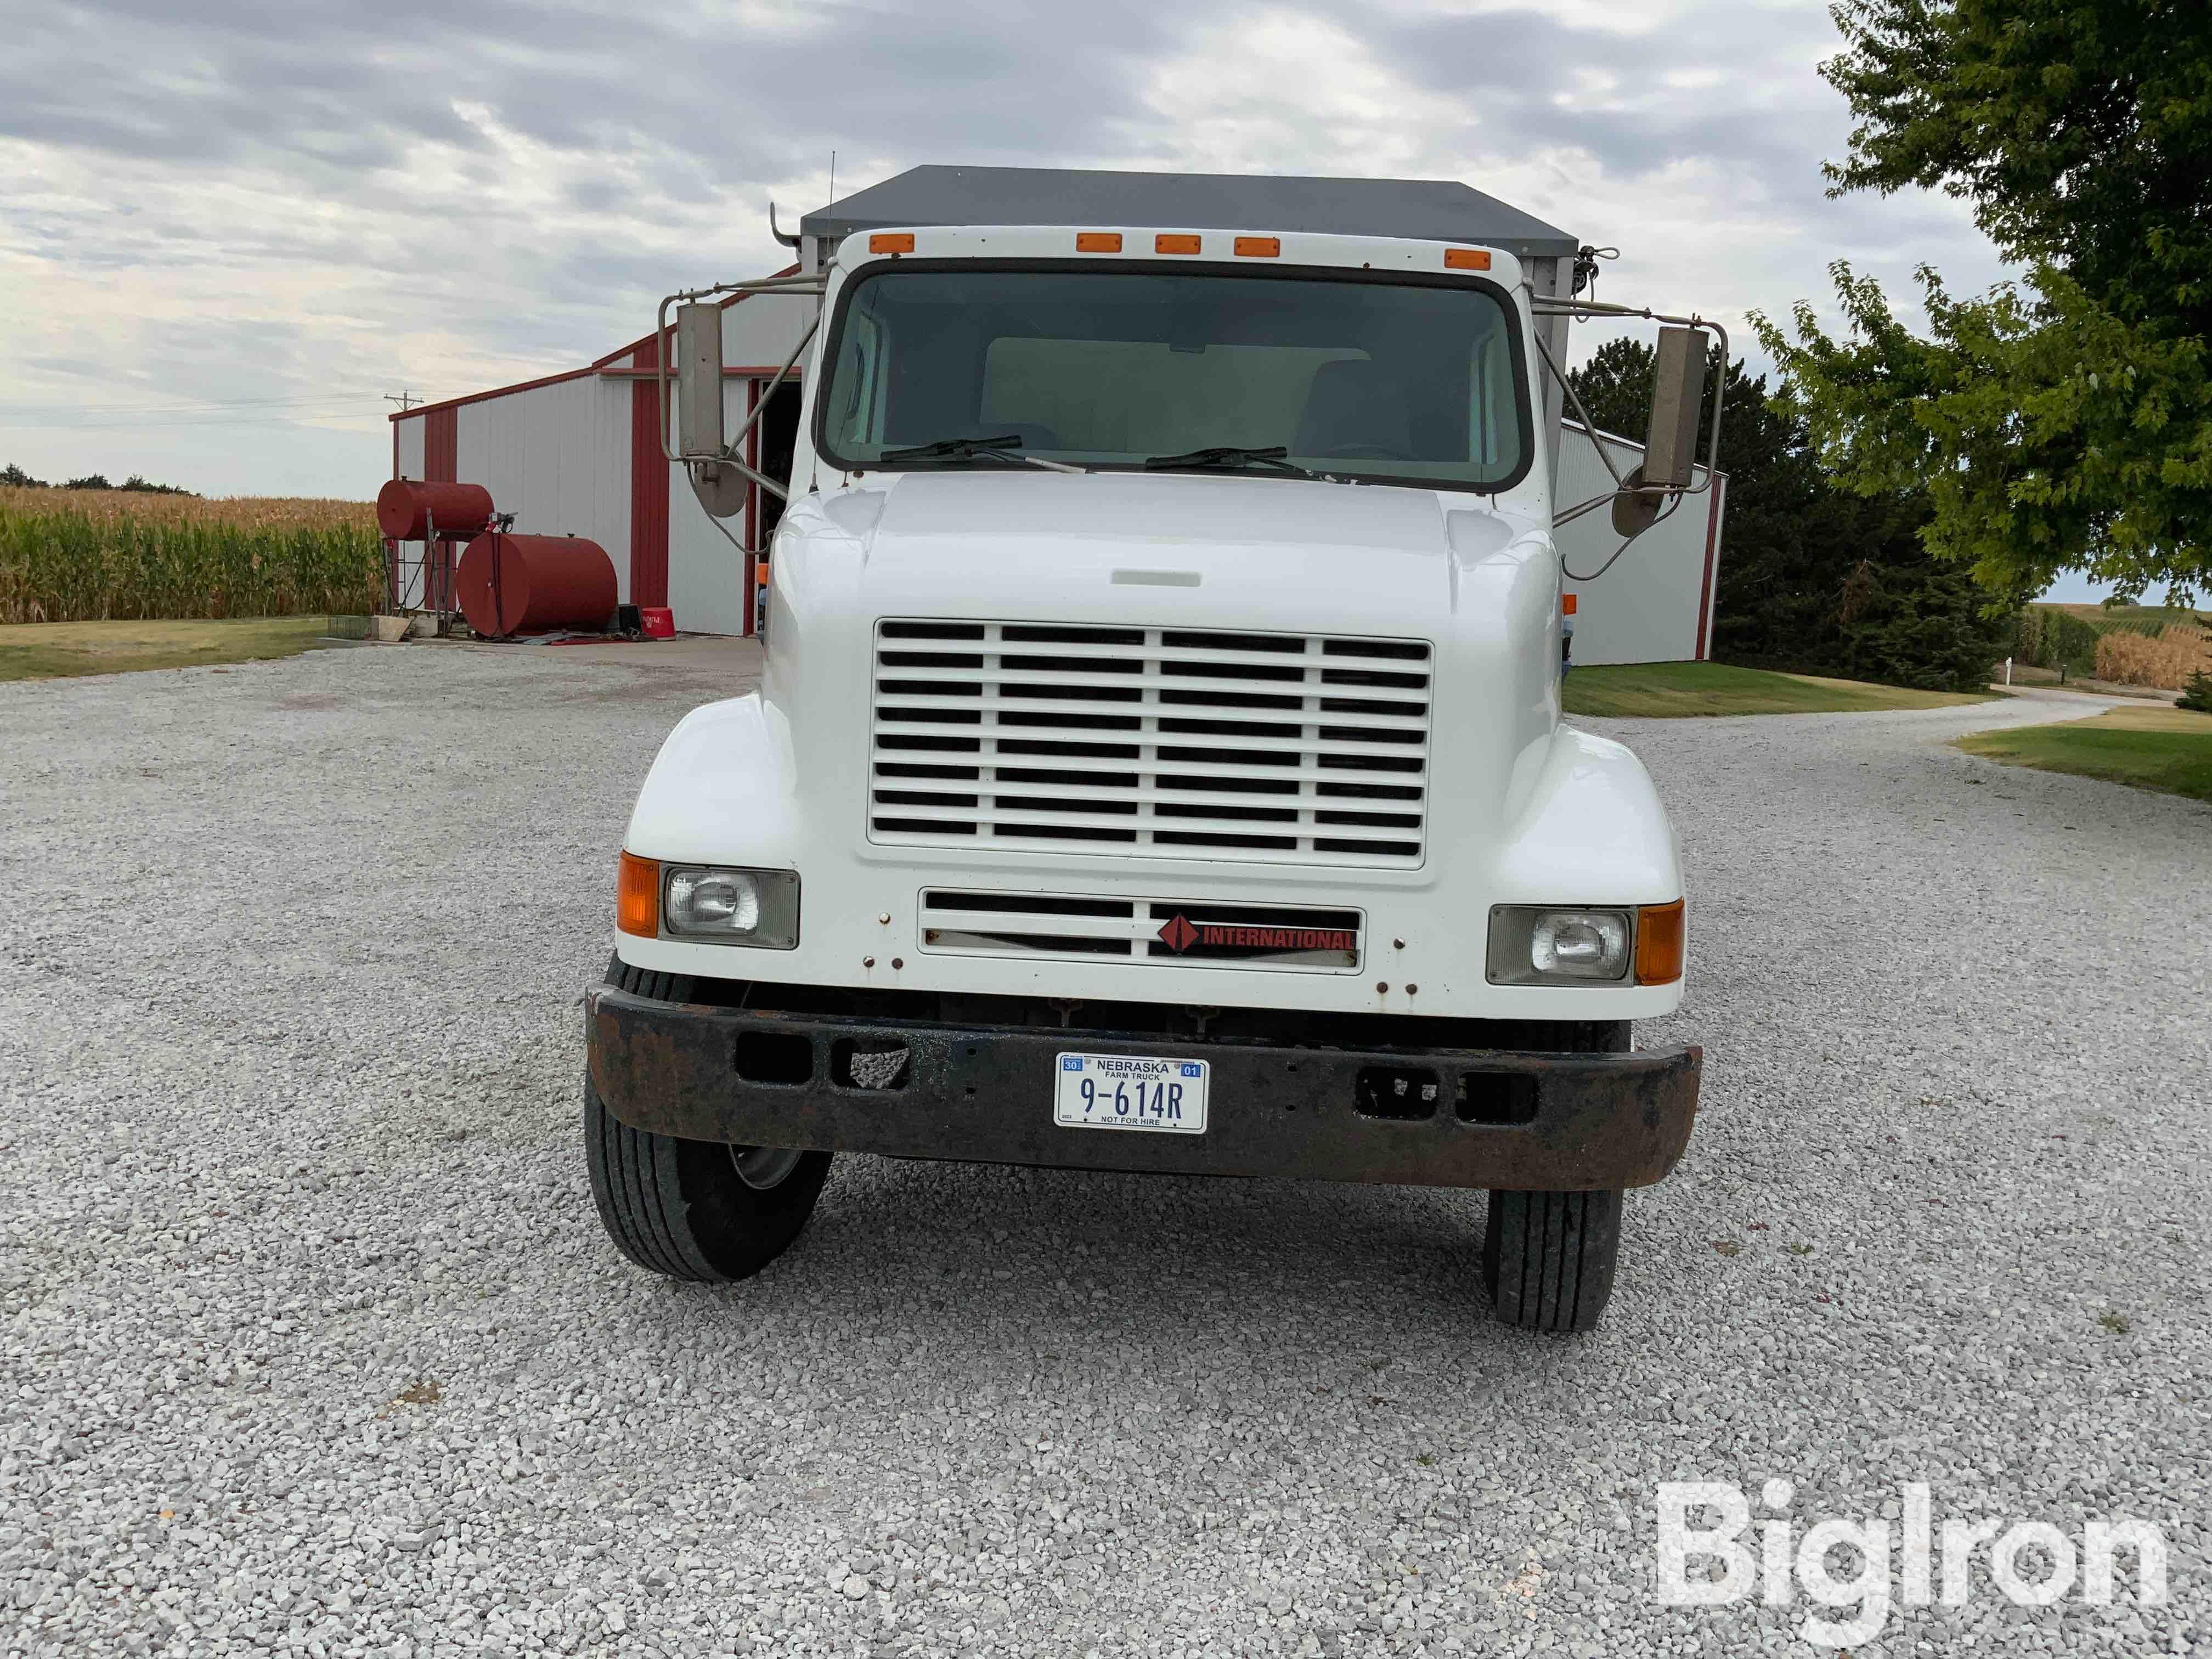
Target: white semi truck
x,y
1157,763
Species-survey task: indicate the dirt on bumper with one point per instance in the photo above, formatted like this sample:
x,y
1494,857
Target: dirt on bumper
x,y
1465,1117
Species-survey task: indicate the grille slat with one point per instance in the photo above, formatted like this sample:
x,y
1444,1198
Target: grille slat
x,y
1151,743
1012,814
964,675
1158,932
1213,713
1063,927
1335,656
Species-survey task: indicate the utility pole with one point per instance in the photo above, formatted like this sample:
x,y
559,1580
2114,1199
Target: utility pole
x,y
406,400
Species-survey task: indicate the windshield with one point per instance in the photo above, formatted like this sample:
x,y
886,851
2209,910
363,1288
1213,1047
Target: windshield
x,y
1399,380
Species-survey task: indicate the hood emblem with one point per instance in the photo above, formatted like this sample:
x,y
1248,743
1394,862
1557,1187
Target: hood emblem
x,y
1179,935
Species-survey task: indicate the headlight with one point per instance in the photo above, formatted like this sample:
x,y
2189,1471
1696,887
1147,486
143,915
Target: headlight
x,y
1579,945
1533,946
710,905
713,901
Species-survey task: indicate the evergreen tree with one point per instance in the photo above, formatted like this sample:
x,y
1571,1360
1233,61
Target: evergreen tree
x,y
1813,578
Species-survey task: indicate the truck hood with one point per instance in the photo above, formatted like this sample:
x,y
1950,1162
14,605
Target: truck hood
x,y
1282,552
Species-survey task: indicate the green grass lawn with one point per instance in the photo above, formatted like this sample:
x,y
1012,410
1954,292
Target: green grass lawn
x,y
43,651
1713,687
2169,750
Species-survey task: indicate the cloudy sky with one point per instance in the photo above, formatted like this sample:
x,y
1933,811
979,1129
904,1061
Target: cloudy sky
x,y
228,228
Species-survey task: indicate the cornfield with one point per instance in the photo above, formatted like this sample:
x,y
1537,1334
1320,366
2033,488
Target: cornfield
x,y
2165,660
2127,644
91,555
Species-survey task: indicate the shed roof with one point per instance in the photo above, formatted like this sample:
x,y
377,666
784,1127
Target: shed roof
x,y
1425,210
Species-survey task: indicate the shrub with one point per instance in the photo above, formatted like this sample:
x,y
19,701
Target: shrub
x,y
2198,694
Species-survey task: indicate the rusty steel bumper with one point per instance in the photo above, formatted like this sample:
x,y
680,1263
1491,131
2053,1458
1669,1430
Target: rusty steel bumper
x,y
982,1094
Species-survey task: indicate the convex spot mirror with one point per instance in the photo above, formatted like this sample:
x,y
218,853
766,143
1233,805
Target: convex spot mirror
x,y
1635,510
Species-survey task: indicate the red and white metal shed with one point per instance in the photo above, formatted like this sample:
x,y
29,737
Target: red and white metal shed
x,y
579,453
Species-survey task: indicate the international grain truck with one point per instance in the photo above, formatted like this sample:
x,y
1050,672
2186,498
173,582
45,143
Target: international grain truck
x,y
1157,763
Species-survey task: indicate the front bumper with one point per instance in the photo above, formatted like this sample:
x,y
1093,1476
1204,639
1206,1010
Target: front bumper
x,y
983,1094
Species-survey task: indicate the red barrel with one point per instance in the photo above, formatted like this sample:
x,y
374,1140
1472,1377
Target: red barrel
x,y
534,584
407,509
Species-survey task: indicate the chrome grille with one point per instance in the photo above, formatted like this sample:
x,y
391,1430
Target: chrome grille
x,y
1193,933
1154,742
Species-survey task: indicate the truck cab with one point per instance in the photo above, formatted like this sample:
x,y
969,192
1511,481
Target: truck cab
x,y
1157,765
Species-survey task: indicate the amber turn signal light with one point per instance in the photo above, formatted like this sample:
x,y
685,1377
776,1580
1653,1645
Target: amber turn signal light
x,y
1659,944
892,241
637,897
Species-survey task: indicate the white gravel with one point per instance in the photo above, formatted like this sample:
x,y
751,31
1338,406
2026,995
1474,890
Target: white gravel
x,y
313,1343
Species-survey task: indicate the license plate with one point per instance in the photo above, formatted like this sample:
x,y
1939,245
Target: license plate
x,y
1130,1092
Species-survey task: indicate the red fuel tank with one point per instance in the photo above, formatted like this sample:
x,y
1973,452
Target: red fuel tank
x,y
408,508
512,584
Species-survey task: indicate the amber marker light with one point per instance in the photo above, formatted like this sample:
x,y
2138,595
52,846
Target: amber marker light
x,y
1259,247
1097,241
1659,944
637,898
1176,244
1467,258
892,241
1567,605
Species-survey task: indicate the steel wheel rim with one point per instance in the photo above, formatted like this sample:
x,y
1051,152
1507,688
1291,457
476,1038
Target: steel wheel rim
x,y
762,1167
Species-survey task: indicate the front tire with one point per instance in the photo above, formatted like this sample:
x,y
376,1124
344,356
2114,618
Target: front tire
x,y
1548,1258
694,1210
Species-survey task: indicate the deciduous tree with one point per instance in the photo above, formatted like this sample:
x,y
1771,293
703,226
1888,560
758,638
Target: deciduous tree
x,y
2063,420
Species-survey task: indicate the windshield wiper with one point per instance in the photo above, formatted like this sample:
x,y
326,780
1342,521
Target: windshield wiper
x,y
1229,456
967,449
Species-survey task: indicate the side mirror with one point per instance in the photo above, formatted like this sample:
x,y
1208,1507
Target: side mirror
x,y
1678,397
699,381
701,435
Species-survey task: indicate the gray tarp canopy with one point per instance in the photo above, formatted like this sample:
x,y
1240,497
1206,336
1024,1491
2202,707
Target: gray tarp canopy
x,y
1425,210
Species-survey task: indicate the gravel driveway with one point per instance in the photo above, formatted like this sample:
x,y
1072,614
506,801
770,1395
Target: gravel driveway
x,y
313,1342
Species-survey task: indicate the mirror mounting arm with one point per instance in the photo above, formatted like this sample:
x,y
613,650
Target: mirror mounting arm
x,y
1583,309
724,454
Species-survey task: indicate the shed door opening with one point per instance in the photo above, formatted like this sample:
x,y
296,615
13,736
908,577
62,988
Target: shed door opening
x,y
779,433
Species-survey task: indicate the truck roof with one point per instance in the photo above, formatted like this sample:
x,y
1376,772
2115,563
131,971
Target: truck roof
x,y
1423,209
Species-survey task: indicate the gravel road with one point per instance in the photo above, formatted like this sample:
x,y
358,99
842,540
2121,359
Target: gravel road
x,y
313,1342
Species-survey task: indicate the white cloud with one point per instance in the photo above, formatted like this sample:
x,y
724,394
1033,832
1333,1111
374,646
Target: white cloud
x,y
316,207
